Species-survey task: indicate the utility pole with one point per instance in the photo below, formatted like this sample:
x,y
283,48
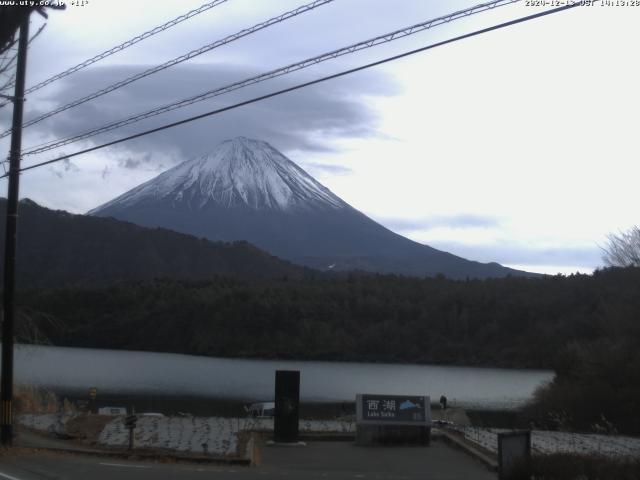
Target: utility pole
x,y
6,381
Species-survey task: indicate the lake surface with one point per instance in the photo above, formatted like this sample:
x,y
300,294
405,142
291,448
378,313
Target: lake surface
x,y
164,374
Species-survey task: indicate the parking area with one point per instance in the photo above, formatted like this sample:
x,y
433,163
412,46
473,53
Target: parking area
x,y
342,460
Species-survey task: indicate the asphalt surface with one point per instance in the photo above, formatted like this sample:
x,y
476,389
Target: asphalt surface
x,y
30,439
343,460
330,460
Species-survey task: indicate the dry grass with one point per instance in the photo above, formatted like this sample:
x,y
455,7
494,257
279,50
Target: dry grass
x,y
30,399
87,427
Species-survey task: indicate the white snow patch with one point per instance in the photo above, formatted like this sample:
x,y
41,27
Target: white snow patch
x,y
239,171
47,422
214,435
546,442
208,435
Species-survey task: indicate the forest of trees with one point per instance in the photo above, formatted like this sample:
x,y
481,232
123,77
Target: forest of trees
x,y
585,327
510,322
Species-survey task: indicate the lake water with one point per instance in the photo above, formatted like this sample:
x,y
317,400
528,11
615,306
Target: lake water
x,y
164,374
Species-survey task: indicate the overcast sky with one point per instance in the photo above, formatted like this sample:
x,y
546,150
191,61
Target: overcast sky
x,y
518,146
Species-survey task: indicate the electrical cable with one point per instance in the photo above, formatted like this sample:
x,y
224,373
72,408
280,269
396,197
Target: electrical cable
x,y
124,45
182,58
11,83
385,38
303,85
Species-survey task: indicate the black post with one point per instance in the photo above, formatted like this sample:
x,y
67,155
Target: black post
x,y
6,382
93,407
285,423
130,423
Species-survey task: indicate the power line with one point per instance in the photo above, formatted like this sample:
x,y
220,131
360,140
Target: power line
x,y
5,67
127,44
303,85
385,38
182,58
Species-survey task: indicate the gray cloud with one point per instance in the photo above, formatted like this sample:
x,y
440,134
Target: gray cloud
x,y
451,221
504,253
146,160
587,257
106,171
292,121
133,163
325,167
501,252
64,167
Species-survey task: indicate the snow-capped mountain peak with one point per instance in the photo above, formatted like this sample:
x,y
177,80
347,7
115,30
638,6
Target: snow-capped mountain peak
x,y
245,190
239,172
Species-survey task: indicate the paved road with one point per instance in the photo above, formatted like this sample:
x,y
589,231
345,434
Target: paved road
x,y
345,460
48,466
321,460
31,439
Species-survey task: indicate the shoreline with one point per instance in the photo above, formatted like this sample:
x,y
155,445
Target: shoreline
x,y
172,405
314,360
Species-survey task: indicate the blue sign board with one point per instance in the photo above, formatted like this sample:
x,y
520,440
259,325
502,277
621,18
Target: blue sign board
x,y
393,409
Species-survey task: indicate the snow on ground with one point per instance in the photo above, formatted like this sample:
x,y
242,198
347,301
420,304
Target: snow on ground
x,y
219,436
211,435
545,442
48,422
208,435
203,435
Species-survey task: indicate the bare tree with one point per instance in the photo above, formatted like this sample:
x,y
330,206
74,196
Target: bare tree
x,y
11,17
623,249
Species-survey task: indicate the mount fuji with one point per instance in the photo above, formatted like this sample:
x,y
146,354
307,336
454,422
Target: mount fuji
x,y
247,190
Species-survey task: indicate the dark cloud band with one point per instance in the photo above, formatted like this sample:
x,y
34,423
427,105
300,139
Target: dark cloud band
x,y
293,121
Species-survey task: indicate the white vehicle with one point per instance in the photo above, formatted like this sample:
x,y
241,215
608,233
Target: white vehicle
x,y
113,411
261,409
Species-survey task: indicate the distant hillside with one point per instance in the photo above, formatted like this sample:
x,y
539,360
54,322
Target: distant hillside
x,y
58,248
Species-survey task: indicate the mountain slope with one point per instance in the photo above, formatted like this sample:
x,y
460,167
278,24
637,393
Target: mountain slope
x,y
247,190
240,173
57,248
